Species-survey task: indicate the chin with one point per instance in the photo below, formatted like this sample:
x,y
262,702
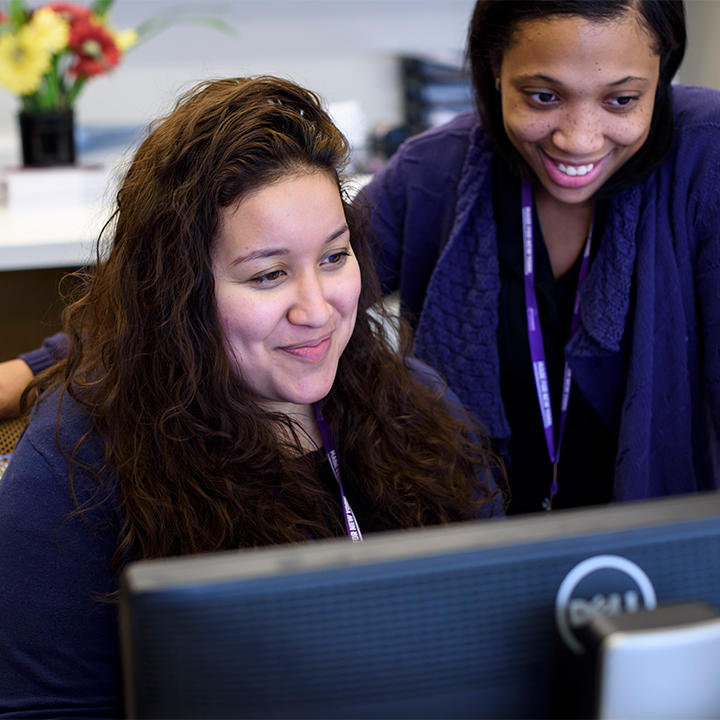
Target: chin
x,y
575,198
309,396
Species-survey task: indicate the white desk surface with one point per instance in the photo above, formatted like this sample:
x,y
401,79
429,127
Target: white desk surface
x,y
45,238
51,218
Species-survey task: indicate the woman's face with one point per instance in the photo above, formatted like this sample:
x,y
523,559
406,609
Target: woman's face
x,y
286,287
578,98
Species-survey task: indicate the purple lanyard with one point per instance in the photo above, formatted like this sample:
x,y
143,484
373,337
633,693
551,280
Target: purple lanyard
x,y
353,529
537,350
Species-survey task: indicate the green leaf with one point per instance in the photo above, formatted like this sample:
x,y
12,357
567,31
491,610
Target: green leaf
x,y
101,7
75,89
17,13
152,27
31,103
49,91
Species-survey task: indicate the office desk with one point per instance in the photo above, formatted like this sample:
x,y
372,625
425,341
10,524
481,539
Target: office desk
x,y
49,230
52,217
49,238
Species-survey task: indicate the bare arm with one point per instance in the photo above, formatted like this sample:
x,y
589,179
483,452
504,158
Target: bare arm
x,y
15,375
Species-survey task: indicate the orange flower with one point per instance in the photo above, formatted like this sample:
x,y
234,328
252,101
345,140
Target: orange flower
x,y
94,47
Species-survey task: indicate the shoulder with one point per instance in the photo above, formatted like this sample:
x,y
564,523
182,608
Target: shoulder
x,y
458,131
425,374
430,163
444,146
58,429
41,457
693,170
434,381
696,113
695,107
56,424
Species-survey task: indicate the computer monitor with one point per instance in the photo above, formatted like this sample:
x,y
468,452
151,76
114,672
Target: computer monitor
x,y
478,619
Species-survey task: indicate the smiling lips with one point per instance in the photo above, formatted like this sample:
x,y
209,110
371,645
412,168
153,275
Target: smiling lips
x,y
573,170
572,175
312,351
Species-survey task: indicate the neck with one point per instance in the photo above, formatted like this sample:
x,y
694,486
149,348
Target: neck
x,y
304,417
564,227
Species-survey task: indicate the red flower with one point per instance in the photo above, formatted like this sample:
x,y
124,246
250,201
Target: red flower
x,y
70,12
3,17
94,47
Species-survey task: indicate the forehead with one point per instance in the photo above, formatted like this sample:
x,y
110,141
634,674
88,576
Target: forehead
x,y
567,41
298,207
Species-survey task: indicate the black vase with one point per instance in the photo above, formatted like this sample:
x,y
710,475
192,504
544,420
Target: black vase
x,y
47,138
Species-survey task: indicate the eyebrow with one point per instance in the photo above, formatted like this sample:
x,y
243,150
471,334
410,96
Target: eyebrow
x,y
280,251
629,78
554,81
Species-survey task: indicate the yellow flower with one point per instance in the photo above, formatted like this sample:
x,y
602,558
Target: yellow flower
x,y
49,30
125,39
23,62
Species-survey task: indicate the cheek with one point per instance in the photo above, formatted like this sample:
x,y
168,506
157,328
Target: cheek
x,y
521,127
633,129
244,320
352,292
633,132
345,297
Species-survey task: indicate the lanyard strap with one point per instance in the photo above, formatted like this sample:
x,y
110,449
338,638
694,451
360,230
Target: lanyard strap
x,y
535,339
353,529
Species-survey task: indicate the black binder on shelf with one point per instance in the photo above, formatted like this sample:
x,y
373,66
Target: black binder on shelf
x,y
434,91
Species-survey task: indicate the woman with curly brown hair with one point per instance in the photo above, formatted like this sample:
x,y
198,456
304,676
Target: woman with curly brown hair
x,y
220,353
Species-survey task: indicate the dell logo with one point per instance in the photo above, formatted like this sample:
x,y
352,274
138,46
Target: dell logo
x,y
581,612
600,585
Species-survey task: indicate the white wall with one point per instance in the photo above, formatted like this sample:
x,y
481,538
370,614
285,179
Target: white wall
x,y
702,59
343,49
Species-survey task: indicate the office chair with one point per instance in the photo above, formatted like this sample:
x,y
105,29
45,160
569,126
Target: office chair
x,y
9,433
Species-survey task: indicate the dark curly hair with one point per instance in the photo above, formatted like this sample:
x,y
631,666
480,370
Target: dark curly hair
x,y
491,33
200,466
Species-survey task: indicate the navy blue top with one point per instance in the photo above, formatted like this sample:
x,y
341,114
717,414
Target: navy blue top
x,y
59,654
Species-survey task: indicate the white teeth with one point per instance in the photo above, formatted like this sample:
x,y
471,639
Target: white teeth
x,y
573,170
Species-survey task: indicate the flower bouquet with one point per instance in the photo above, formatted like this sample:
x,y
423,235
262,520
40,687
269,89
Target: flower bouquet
x,y
48,53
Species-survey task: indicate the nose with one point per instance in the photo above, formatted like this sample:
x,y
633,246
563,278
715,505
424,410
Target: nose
x,y
579,132
310,305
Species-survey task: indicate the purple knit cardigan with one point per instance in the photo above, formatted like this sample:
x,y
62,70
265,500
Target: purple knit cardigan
x,y
654,285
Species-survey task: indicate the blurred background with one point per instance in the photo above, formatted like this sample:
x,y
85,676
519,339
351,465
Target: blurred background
x,y
387,69
347,50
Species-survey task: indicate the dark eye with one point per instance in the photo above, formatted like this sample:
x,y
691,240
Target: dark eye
x,y
623,101
543,98
269,278
336,258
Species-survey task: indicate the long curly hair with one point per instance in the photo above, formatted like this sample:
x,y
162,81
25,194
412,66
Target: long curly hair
x,y
199,465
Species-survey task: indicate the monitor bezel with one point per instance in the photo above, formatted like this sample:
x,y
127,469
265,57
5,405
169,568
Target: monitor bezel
x,y
165,573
